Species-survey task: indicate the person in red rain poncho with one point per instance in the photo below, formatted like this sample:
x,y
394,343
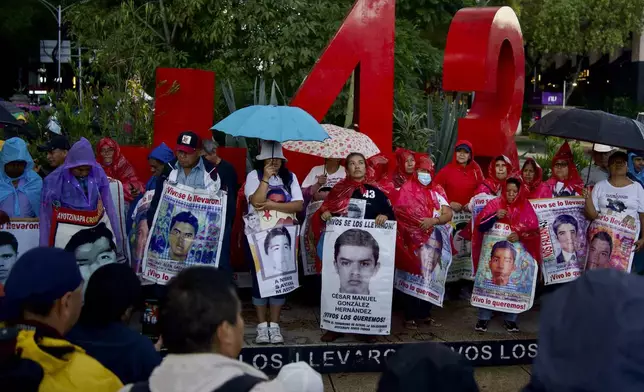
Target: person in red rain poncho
x,y
498,170
512,208
421,205
116,166
461,177
405,167
355,186
378,172
531,174
565,179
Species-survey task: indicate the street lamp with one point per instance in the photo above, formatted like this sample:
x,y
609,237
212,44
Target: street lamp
x,y
57,13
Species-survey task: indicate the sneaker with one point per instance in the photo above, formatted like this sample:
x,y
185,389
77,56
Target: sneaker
x,y
481,326
262,334
275,333
511,326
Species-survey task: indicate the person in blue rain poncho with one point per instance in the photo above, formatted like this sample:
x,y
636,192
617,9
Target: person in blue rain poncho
x,y
20,185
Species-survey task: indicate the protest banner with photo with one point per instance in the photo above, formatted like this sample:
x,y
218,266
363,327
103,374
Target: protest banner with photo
x,y
435,257
461,267
274,253
562,231
477,204
24,232
186,231
308,247
116,190
611,239
357,280
140,230
87,234
506,277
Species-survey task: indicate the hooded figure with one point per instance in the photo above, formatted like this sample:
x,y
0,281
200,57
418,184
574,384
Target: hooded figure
x,y
535,186
378,172
20,185
402,175
570,184
62,188
163,154
119,168
590,336
492,185
427,367
520,216
460,180
416,202
636,167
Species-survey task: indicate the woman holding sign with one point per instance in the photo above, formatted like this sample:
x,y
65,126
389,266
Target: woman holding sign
x,y
498,170
272,187
618,197
355,187
514,209
531,174
420,206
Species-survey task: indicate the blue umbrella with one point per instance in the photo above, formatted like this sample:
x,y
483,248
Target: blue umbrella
x,y
276,123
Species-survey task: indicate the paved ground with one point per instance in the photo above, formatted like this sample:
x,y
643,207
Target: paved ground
x,y
492,379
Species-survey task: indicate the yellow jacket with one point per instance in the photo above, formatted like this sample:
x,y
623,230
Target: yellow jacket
x,y
75,371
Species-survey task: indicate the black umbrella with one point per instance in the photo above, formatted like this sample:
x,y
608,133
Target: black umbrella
x,y
7,118
592,126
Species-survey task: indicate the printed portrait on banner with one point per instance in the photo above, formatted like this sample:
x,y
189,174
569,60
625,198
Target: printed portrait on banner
x,y
562,231
611,239
357,276
461,267
274,253
308,247
186,230
16,237
507,274
435,258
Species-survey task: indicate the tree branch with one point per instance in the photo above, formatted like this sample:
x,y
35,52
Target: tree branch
x,y
168,39
148,26
580,62
174,30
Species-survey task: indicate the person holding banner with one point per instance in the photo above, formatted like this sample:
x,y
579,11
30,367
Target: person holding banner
x,y
421,205
514,209
20,185
79,184
461,177
278,190
565,180
117,166
531,174
356,186
618,196
321,179
498,170
405,168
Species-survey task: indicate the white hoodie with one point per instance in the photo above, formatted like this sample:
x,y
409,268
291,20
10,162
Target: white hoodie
x,y
207,372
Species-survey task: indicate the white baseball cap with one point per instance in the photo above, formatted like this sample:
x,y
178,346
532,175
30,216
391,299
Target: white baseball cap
x,y
602,148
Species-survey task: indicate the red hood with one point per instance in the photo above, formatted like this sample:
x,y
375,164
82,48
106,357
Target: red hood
x,y
377,167
467,143
538,175
401,176
574,179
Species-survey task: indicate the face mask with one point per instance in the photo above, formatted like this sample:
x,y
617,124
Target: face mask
x,y
424,178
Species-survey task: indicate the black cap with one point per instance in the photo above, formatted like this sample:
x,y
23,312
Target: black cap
x,y
188,142
55,142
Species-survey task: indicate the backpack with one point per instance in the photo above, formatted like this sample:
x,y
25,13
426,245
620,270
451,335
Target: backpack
x,y
243,383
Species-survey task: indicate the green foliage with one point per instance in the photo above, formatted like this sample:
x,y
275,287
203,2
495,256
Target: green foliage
x,y
123,116
579,26
552,146
445,133
624,106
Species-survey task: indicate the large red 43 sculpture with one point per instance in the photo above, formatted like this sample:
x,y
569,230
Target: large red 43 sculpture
x,y
484,54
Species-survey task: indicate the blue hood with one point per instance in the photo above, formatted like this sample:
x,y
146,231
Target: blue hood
x,y
15,149
591,336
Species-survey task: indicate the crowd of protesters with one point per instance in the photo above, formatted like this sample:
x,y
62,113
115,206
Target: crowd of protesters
x,y
66,326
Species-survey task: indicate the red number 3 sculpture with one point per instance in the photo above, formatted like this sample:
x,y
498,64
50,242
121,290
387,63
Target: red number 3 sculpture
x,y
484,54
